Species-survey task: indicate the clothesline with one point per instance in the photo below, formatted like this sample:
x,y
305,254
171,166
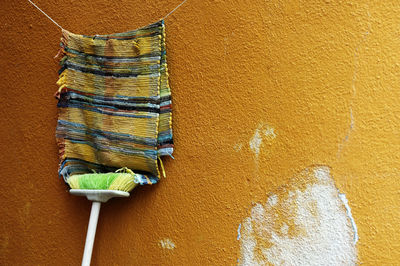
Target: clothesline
x,y
58,25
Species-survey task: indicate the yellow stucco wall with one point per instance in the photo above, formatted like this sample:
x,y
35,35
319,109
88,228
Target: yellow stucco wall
x,y
261,91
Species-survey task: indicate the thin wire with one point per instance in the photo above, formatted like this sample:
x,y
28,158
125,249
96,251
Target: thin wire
x,y
45,14
58,25
172,10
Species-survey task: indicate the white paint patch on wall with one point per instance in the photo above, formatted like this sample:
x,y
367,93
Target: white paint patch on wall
x,y
167,243
237,147
264,131
255,142
238,232
270,132
348,210
273,200
303,223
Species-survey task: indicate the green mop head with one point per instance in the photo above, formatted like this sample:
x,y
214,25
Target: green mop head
x,y
104,181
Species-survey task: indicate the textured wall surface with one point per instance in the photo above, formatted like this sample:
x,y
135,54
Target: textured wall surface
x,y
261,91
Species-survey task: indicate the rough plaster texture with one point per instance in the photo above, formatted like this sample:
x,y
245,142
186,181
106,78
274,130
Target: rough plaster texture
x,y
324,74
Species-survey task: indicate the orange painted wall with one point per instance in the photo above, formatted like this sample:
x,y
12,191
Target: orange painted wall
x,y
323,74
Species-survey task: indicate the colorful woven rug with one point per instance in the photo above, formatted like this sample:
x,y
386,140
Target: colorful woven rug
x,y
114,103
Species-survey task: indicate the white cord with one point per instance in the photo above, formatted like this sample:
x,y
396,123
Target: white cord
x,y
174,9
45,14
58,25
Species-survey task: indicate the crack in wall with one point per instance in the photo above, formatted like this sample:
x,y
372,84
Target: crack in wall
x,y
354,88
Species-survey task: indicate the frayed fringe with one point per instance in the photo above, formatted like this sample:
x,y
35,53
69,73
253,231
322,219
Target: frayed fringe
x,y
61,57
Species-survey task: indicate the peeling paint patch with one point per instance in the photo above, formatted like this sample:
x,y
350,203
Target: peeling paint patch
x,y
270,132
348,210
305,222
167,243
238,147
273,200
238,232
255,142
263,132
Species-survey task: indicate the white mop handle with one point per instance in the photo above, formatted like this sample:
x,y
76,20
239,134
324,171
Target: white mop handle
x,y
91,232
